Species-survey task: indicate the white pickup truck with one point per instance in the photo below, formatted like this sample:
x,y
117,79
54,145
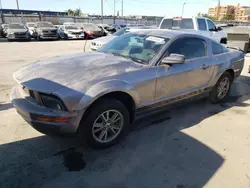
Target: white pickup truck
x,y
204,26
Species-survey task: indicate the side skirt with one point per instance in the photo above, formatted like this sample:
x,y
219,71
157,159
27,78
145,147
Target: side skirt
x,y
170,103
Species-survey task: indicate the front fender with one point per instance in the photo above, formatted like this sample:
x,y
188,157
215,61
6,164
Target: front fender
x,y
102,88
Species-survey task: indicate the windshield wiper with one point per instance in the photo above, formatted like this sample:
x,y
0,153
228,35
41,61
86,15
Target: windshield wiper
x,y
128,57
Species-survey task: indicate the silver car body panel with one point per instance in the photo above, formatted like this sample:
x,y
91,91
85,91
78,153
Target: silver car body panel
x,y
79,80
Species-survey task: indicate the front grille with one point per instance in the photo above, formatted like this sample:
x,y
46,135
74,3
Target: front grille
x,y
50,33
32,94
20,35
76,33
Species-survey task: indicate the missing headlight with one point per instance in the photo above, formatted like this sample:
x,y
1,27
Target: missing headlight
x,y
52,102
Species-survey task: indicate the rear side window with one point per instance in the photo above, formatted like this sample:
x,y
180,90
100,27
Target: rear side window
x,y
218,48
189,47
202,24
185,23
167,24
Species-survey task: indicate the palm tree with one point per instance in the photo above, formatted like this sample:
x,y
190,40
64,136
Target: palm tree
x,y
78,12
71,12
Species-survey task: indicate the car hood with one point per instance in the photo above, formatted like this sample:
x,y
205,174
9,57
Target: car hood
x,y
17,30
50,75
104,40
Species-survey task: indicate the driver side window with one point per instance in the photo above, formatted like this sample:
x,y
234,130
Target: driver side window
x,y
211,25
189,47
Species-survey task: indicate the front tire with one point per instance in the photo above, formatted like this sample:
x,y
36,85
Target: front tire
x,y
105,123
221,90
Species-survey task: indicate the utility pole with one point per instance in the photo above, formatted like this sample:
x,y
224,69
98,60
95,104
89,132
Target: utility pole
x,y
102,10
183,9
1,16
17,4
114,12
122,8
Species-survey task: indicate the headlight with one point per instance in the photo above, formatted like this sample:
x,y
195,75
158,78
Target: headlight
x,y
52,102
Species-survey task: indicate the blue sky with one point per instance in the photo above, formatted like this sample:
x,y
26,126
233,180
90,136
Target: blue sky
x,y
131,7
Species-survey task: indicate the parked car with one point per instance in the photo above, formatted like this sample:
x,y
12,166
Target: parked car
x,y
203,26
91,31
97,95
4,28
45,30
31,27
17,31
107,29
71,32
99,42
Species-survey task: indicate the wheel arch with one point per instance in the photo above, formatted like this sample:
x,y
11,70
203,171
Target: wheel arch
x,y
114,89
121,96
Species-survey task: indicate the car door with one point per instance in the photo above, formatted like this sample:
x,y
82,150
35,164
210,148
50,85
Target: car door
x,y
213,31
190,76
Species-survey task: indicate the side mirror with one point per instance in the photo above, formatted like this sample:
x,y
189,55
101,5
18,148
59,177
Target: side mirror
x,y
173,59
219,29
213,29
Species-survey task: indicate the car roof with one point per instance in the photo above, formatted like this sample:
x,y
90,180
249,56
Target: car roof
x,y
167,33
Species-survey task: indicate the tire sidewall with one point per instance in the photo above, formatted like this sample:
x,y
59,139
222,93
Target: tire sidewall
x,y
85,129
214,93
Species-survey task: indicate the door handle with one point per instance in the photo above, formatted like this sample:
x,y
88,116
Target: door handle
x,y
204,66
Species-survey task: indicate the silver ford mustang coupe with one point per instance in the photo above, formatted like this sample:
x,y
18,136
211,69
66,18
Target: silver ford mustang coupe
x,y
97,95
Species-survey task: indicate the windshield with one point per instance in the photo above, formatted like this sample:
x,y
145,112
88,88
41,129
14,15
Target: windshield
x,y
16,26
140,48
91,27
31,25
71,27
44,25
121,32
185,23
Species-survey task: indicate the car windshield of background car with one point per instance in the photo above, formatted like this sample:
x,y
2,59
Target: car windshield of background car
x,y
71,27
44,25
91,27
16,26
140,48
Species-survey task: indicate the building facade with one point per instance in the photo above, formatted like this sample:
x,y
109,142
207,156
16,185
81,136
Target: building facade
x,y
237,13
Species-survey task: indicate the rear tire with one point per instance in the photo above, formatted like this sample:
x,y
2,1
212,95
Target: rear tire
x,y
107,119
221,90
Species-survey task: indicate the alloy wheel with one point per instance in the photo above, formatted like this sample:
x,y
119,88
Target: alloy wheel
x,y
223,88
107,126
